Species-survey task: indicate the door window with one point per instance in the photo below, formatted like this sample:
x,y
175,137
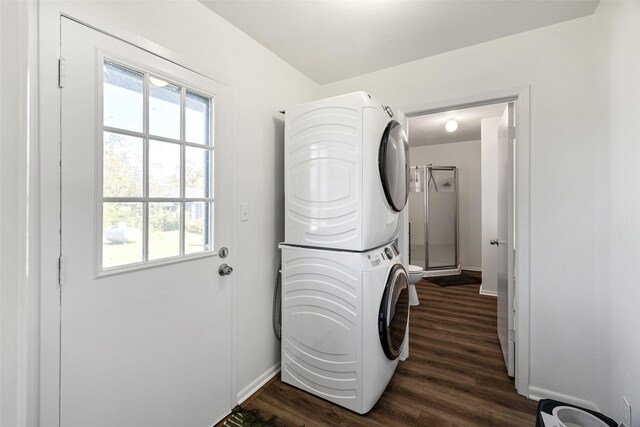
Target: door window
x,y
394,312
157,168
394,165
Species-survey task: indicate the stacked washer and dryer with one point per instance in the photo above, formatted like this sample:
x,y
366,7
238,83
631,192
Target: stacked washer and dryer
x,y
345,300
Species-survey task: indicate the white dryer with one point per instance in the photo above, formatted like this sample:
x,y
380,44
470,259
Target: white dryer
x,y
344,319
346,173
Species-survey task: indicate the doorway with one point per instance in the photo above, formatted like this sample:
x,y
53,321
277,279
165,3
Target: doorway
x,y
518,267
145,318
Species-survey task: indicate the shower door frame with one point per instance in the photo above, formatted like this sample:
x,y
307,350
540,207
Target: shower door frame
x,y
427,170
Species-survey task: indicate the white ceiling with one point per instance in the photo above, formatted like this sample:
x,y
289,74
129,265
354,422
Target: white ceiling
x,y
429,129
330,40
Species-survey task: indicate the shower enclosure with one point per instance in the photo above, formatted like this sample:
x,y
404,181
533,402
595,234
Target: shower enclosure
x,y
433,218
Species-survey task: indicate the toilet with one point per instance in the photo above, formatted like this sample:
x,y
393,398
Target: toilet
x,y
415,275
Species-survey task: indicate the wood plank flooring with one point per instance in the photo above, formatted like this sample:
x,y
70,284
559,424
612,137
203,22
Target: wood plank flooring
x,y
455,374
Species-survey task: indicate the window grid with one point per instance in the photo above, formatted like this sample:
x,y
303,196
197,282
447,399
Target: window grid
x,y
182,200
183,167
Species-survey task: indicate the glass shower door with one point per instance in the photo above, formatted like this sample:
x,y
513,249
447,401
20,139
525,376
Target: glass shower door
x,y
442,225
417,217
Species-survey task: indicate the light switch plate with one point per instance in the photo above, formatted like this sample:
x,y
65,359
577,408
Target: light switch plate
x,y
244,211
627,410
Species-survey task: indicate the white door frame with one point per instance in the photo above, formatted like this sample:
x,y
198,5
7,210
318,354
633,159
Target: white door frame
x,y
50,14
521,97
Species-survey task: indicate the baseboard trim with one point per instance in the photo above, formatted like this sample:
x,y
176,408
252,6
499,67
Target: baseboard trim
x,y
478,269
537,393
438,273
256,384
488,293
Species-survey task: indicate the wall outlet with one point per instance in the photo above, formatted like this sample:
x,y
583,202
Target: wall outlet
x,y
627,411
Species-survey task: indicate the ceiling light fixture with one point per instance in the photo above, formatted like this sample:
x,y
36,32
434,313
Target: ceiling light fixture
x,y
451,125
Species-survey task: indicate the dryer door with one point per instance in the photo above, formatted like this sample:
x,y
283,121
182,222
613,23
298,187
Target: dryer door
x,y
393,162
394,312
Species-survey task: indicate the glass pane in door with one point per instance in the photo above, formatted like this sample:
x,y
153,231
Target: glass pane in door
x,y
197,233
123,102
121,234
164,169
164,230
164,108
417,220
441,220
122,165
197,116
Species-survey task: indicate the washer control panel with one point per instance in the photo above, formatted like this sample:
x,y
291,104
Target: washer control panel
x,y
384,253
388,252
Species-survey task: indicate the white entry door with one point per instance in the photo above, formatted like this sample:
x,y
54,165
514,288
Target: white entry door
x,y
505,242
145,317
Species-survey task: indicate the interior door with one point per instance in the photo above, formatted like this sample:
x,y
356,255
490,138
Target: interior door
x,y
145,315
489,141
505,242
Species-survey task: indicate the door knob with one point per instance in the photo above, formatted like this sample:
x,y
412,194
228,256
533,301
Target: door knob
x,y
225,270
494,242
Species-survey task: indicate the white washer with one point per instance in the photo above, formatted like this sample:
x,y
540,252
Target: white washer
x,y
346,173
344,322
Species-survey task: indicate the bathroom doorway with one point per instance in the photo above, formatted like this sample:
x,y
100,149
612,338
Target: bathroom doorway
x,y
448,168
470,210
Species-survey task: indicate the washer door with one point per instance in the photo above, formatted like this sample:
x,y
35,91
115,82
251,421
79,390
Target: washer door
x,y
393,162
394,312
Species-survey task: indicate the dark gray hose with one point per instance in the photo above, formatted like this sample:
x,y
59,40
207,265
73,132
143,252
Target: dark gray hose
x,y
276,318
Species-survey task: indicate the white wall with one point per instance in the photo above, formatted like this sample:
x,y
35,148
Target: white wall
x,y
9,318
262,84
489,161
466,156
19,298
618,74
558,62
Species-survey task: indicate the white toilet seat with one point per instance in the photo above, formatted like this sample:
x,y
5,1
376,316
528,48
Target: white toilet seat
x,y
415,275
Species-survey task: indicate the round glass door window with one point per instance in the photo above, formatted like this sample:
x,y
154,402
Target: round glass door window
x,y
394,312
393,162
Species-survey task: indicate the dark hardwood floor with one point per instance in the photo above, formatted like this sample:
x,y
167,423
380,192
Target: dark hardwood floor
x,y
455,374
